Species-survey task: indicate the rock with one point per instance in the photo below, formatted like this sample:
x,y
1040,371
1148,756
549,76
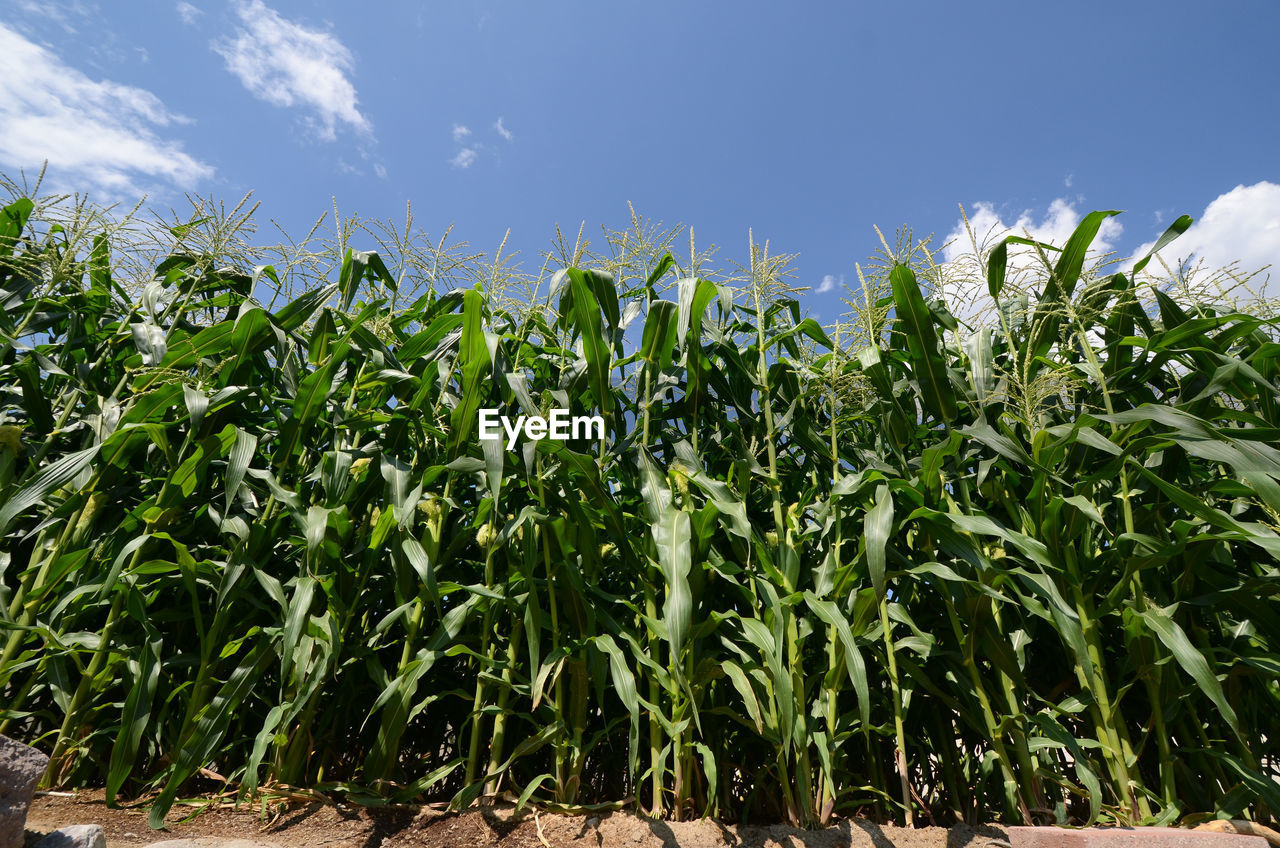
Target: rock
x,y
21,767
75,836
1124,837
1248,828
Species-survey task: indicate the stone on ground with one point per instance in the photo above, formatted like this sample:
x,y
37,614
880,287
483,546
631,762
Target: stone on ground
x,y
20,769
1128,837
75,836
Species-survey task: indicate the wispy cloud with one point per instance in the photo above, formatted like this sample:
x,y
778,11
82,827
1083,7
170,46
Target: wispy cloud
x,y
188,12
469,148
63,14
829,282
287,64
96,133
465,159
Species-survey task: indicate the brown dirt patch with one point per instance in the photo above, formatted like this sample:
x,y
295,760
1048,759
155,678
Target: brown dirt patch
x,y
315,825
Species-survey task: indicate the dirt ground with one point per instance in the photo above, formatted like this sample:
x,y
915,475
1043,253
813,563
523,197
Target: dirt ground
x,y
315,825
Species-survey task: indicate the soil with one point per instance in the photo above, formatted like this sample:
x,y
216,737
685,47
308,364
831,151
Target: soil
x,y
316,825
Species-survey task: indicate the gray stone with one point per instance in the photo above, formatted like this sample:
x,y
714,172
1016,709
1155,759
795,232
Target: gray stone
x,y
75,836
21,768
1128,837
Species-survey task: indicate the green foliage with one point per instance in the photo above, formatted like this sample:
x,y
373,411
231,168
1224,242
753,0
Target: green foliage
x,y
1025,572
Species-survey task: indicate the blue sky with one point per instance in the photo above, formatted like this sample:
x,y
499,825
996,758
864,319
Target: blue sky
x,y
808,123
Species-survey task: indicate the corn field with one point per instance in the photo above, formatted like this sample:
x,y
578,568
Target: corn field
x,y
920,564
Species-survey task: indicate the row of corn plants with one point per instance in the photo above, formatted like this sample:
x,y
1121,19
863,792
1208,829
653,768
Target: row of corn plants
x,y
902,566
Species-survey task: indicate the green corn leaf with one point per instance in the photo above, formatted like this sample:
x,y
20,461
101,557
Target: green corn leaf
x,y
1175,229
876,529
313,393
37,489
475,363
671,533
665,264
926,360
1192,661
981,363
586,321
660,335
237,463
13,220
1062,282
136,715
251,333
624,683
209,731
299,310
854,664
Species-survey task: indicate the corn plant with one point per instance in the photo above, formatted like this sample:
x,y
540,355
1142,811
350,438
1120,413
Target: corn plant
x,y
901,566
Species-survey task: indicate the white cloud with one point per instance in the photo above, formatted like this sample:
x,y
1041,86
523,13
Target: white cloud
x,y
98,134
1242,225
503,131
829,282
460,133
465,159
1239,228
965,290
286,64
188,12
1057,225
380,171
